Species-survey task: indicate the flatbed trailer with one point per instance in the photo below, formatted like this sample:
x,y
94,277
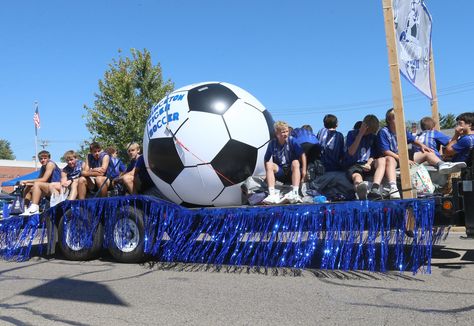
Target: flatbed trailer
x,y
370,235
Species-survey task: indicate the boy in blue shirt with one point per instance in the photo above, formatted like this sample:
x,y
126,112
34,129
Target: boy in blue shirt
x,y
388,147
126,178
332,144
462,143
308,141
50,174
94,173
431,137
360,159
70,174
285,154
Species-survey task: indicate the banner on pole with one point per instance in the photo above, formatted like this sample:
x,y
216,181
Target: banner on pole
x,y
413,32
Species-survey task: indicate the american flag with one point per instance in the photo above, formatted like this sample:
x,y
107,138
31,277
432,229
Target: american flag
x,y
36,118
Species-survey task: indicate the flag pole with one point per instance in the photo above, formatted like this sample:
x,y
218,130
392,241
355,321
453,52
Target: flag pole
x,y
397,98
36,139
434,92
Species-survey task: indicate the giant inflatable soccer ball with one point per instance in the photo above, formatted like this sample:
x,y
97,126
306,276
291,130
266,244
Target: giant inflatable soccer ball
x,y
203,140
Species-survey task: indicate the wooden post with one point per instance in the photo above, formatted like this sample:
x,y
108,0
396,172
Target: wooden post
x,y
397,98
434,92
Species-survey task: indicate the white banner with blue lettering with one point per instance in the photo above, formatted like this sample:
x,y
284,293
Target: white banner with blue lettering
x,y
413,32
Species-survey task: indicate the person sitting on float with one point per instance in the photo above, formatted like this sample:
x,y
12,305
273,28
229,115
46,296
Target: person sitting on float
x,y
127,177
70,175
360,158
35,189
94,174
282,163
461,144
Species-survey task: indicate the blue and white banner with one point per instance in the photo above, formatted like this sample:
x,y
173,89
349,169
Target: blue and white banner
x,y
413,32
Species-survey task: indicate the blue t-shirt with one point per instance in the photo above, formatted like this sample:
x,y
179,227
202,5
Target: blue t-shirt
x,y
73,172
332,149
55,175
93,163
433,139
131,165
142,172
387,141
116,166
463,147
365,150
283,155
302,136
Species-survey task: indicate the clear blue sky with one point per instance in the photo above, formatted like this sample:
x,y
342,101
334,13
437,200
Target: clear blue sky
x,y
301,59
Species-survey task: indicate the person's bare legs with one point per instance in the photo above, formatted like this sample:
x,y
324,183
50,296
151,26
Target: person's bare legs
x,y
431,158
82,187
390,169
270,170
73,189
128,182
356,179
40,189
103,187
379,170
295,173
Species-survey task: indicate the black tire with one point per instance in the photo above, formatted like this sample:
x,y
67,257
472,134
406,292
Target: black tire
x,y
73,251
127,237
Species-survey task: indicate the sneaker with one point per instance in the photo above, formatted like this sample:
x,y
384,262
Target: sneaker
x,y
271,199
451,167
375,194
394,193
291,198
361,191
32,210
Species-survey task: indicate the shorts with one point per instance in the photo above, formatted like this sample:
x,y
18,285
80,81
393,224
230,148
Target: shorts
x,y
358,168
283,174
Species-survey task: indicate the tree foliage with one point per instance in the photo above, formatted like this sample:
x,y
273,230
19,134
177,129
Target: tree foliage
x,y
127,92
6,152
447,121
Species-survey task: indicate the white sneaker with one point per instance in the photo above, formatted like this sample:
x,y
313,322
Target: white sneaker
x,y
394,193
32,210
272,199
451,167
361,191
292,198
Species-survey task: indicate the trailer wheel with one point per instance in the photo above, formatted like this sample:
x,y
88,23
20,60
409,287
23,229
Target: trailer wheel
x,y
70,243
128,234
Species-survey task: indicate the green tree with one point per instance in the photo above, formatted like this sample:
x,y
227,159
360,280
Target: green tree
x,y
447,121
129,89
6,152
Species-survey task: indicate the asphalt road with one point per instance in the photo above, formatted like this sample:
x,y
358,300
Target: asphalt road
x,y
59,292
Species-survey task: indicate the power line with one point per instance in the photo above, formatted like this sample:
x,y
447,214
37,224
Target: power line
x,y
451,90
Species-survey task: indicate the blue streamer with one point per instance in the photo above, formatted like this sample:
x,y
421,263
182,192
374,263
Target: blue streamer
x,y
344,235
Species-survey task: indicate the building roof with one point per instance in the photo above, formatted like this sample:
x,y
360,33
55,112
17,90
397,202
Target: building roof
x,y
25,164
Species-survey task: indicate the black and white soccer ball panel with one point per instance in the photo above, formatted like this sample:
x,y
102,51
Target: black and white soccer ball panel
x,y
229,196
198,185
204,134
245,124
245,96
165,188
260,168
